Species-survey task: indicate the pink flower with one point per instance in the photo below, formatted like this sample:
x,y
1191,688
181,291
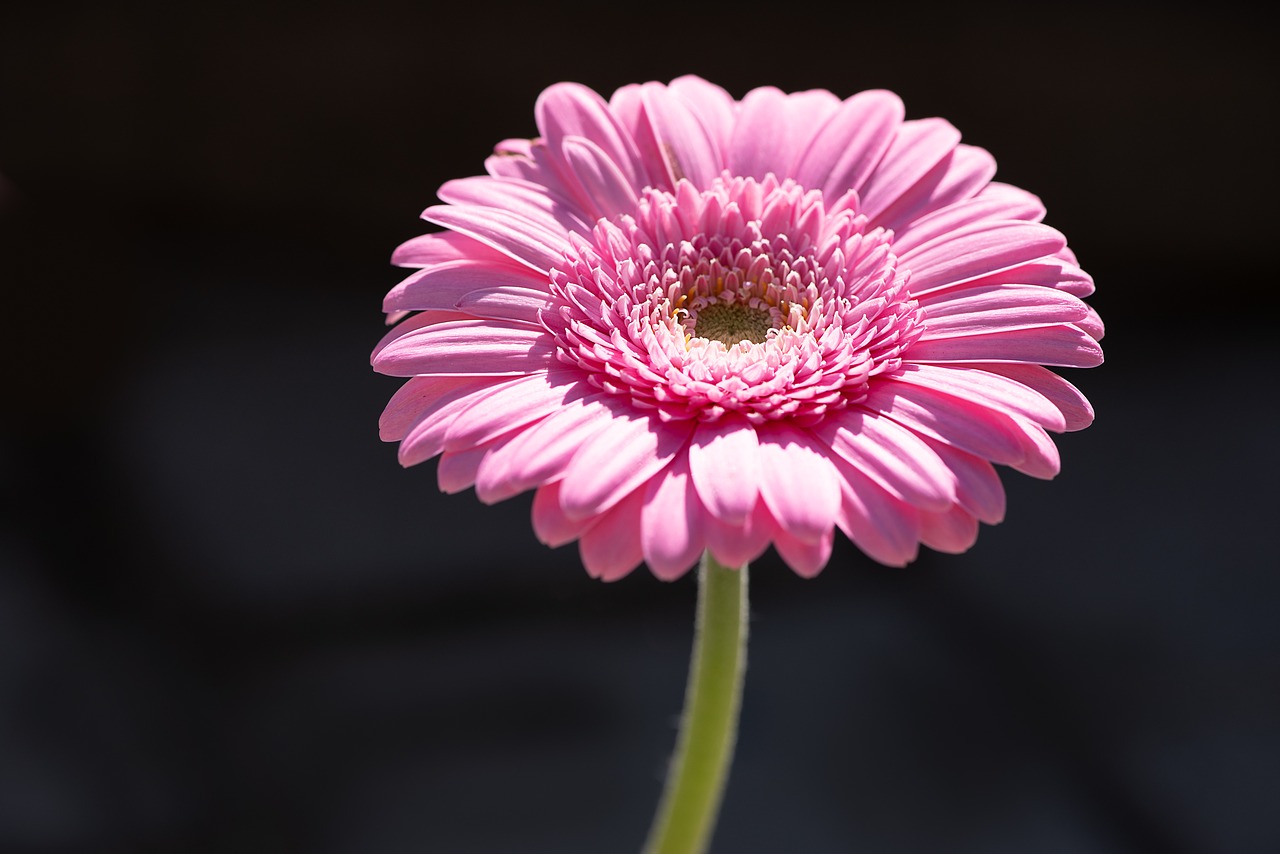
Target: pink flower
x,y
697,323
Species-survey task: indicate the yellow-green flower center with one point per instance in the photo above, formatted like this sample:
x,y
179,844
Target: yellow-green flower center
x,y
731,323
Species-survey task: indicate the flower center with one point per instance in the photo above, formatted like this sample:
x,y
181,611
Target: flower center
x,y
748,297
730,323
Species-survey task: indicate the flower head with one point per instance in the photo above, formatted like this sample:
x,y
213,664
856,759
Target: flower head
x,y
697,323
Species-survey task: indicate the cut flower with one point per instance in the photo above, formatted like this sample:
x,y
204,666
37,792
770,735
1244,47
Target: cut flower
x,y
690,323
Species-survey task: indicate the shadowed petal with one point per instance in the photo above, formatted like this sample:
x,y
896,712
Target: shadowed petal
x,y
1076,411
469,347
978,250
1063,346
993,390
456,470
962,174
418,395
737,545
798,484
805,557
550,525
847,148
724,459
425,437
600,180
978,486
445,247
521,239
539,205
917,147
687,149
671,522
570,109
442,286
611,548
995,203
544,450
955,421
773,130
513,404
517,305
884,527
618,460
952,531
890,454
713,106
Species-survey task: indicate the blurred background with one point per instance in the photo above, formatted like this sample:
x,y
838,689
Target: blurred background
x,y
230,622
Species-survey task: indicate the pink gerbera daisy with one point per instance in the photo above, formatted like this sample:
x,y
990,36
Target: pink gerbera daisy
x,y
693,323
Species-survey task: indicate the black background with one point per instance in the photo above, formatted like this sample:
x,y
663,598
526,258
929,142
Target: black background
x,y
229,622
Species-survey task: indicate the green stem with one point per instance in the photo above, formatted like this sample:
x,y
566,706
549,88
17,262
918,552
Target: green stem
x,y
709,726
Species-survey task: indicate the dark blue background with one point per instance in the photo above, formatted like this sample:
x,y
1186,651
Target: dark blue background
x,y
229,622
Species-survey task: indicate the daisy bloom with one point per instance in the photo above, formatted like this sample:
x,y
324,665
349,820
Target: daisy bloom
x,y
693,323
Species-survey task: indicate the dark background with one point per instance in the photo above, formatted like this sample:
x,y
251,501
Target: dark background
x,y
229,622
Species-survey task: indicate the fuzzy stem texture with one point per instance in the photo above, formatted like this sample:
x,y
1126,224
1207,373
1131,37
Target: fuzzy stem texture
x,y
709,726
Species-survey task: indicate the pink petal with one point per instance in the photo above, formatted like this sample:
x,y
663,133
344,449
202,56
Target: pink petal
x,y
1005,201
671,521
570,109
724,459
550,525
1063,346
456,470
967,425
618,460
544,449
977,250
891,455
1049,272
425,438
713,106
952,531
540,205
887,529
798,484
522,239
963,311
1091,325
978,486
738,545
445,247
961,175
687,149
611,547
1040,455
998,203
847,148
599,179
918,146
412,325
806,558
418,395
773,130
535,165
469,347
513,404
993,390
1076,411
627,105
441,286
518,305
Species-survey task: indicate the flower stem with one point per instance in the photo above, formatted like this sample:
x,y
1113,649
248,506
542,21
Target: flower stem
x,y
709,726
